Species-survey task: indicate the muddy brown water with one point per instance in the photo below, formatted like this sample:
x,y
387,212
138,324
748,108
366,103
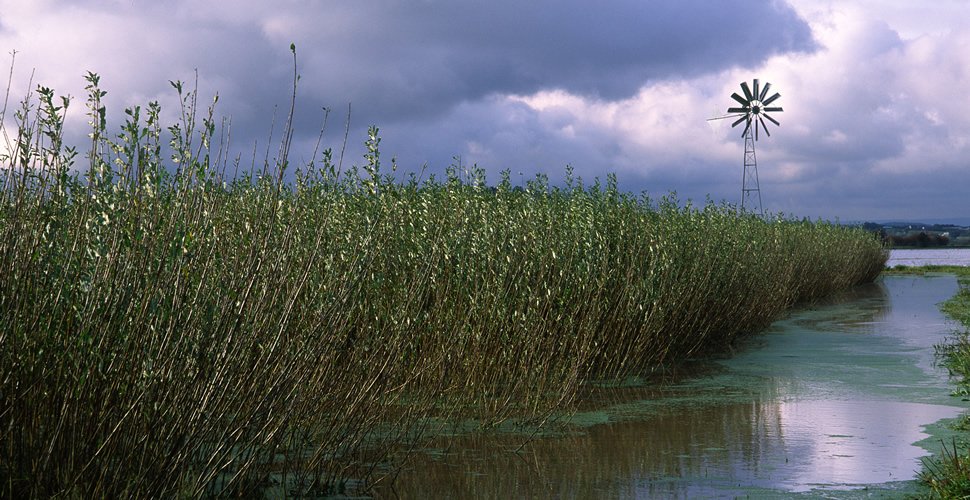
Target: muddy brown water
x,y
840,399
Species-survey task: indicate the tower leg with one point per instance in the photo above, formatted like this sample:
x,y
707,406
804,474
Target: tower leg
x,y
750,187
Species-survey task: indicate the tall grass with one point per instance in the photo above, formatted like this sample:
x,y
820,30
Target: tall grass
x,y
167,328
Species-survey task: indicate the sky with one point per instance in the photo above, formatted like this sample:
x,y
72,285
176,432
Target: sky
x,y
875,127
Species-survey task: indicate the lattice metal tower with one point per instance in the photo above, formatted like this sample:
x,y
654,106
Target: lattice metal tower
x,y
750,187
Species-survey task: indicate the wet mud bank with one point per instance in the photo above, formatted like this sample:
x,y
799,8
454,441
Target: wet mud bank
x,y
841,398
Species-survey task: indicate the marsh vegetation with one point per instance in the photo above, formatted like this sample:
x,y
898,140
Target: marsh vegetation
x,y
176,321
949,473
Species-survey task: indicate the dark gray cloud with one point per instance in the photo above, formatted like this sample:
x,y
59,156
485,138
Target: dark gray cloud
x,y
424,71
405,61
420,58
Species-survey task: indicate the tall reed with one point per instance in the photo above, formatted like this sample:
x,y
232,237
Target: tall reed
x,y
168,329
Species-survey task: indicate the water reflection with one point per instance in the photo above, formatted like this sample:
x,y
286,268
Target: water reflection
x,y
846,443
831,397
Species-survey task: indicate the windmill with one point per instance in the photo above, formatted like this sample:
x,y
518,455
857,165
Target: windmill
x,y
755,106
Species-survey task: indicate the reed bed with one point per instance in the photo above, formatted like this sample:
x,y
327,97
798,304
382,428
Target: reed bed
x,y
167,328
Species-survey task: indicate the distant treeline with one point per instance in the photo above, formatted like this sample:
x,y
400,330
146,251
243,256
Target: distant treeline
x,y
920,240
900,235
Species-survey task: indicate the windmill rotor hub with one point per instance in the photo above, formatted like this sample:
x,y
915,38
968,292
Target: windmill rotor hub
x,y
754,109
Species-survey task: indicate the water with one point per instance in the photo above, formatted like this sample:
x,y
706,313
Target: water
x,y
840,399
929,256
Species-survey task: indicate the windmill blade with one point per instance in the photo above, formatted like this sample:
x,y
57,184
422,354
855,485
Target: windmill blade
x,y
746,128
756,130
747,91
772,110
754,91
764,92
738,110
743,118
765,126
772,119
740,99
771,99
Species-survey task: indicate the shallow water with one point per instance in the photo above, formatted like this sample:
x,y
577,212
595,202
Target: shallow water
x,y
929,257
835,400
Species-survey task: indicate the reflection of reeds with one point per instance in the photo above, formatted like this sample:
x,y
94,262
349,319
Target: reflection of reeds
x,y
657,457
193,333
